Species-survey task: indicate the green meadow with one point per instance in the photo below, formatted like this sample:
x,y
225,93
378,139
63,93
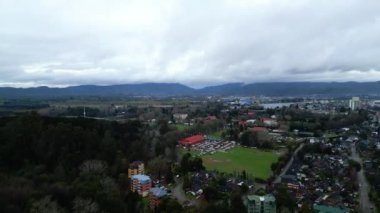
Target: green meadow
x,y
253,161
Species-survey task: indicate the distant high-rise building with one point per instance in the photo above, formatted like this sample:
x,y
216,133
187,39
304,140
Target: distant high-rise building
x,y
354,103
376,103
261,204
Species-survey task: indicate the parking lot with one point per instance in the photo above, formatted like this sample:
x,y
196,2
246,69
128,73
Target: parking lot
x,y
210,146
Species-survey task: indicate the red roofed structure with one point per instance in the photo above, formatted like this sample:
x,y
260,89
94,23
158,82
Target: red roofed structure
x,y
243,123
251,113
259,129
195,139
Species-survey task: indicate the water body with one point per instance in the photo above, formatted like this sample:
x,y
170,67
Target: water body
x,y
280,105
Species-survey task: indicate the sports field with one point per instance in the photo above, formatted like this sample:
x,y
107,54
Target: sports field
x,y
253,161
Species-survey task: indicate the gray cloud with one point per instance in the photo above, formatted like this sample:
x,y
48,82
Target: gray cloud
x,y
59,42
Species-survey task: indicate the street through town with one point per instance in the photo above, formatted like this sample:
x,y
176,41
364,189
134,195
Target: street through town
x,y
285,169
180,195
365,205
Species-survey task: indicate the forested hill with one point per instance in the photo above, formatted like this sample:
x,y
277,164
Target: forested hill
x,y
175,89
146,89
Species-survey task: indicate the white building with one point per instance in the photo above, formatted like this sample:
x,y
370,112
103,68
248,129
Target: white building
x,y
180,117
376,103
354,103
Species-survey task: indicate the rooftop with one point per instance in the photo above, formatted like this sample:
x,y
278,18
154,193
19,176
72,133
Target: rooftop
x,y
141,178
158,192
328,209
135,164
267,198
259,129
192,140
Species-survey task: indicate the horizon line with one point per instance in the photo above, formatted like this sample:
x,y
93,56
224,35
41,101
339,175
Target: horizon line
x,y
63,86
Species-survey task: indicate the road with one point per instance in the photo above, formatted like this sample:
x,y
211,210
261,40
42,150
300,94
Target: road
x,y
365,204
285,169
180,195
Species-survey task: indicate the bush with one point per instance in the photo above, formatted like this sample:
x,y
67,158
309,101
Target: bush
x,y
354,164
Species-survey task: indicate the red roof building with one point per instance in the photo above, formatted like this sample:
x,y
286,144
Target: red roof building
x,y
242,123
211,118
259,129
195,139
266,119
251,113
269,122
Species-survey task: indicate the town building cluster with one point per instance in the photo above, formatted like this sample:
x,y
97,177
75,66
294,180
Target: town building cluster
x,y
323,178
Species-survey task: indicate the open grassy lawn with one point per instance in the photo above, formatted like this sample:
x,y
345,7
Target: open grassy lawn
x,y
181,127
253,161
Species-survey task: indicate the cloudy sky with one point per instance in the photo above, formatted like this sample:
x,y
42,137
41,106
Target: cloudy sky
x,y
195,42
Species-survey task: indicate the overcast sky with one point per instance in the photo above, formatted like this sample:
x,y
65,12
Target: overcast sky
x,y
195,42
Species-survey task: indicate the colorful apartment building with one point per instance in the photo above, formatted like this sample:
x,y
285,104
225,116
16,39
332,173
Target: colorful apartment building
x,y
136,168
141,184
156,195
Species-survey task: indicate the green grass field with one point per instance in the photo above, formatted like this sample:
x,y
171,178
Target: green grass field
x,y
253,161
181,127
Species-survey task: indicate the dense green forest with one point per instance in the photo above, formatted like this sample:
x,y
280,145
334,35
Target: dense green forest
x,y
73,165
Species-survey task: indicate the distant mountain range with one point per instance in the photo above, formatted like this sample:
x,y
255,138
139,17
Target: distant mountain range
x,y
175,89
